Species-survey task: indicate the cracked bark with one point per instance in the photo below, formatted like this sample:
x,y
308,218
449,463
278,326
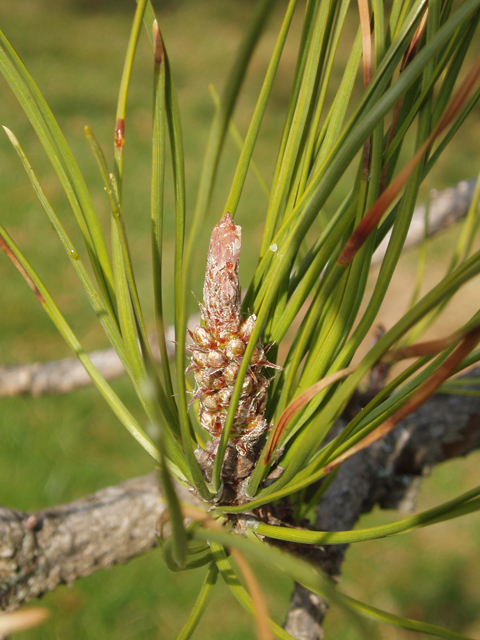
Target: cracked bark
x,y
39,551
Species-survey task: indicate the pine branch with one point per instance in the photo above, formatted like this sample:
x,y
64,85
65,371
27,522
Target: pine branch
x,y
66,375
58,545
446,208
39,551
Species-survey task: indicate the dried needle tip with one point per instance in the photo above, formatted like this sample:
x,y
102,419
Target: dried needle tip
x,y
158,50
20,620
119,138
10,135
221,291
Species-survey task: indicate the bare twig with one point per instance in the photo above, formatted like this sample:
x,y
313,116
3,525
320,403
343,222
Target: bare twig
x,y
58,376
63,376
446,208
39,551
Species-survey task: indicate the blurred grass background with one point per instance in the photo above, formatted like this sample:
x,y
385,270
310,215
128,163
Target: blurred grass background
x,y
55,449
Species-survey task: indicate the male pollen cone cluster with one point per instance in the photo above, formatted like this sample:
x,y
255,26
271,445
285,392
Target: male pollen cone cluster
x,y
216,354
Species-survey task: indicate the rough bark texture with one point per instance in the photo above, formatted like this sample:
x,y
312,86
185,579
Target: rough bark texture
x,y
62,376
56,546
39,551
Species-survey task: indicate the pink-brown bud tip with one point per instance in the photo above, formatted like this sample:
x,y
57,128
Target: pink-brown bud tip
x,y
225,244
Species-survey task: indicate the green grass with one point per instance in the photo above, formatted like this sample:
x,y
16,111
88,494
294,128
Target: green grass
x,y
154,606
55,449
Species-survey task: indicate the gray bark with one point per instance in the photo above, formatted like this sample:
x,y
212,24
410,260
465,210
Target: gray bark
x,y
43,549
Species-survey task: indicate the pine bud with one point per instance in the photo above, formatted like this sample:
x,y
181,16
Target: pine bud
x,y
216,355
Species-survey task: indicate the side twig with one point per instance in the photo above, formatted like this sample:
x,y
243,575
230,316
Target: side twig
x,y
388,473
58,545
